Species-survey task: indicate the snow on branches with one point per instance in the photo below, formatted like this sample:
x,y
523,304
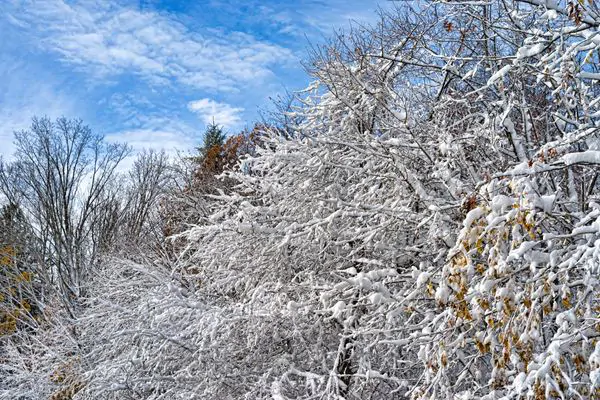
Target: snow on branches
x,y
427,226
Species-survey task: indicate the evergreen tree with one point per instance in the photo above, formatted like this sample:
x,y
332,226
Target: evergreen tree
x,y
214,138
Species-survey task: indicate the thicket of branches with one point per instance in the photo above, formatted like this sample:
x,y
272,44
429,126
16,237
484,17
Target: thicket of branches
x,y
425,225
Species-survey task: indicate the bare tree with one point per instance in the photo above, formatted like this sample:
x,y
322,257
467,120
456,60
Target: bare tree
x,y
149,181
60,176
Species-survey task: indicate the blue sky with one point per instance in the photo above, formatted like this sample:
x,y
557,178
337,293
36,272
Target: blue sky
x,y
154,72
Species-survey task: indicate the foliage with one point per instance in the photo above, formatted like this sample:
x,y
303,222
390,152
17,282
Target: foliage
x,y
18,297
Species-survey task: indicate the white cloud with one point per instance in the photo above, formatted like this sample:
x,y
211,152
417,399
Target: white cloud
x,y
313,19
151,129
105,39
222,113
23,97
140,139
147,139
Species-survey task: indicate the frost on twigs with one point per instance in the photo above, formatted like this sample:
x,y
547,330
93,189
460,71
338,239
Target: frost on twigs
x,y
425,226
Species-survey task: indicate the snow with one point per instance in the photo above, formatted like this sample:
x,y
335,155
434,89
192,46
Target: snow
x,y
361,281
502,203
339,309
377,298
359,256
546,203
531,50
423,278
442,294
499,74
585,157
589,75
473,216
521,250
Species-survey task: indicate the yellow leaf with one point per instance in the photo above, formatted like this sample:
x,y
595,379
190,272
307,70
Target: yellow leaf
x,y
26,276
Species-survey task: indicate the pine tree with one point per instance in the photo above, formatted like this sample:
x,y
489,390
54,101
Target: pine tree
x,y
214,138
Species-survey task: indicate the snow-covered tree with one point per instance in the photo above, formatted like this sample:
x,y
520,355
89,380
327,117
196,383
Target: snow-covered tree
x,y
427,227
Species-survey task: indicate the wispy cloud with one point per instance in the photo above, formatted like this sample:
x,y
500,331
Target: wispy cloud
x,y
221,113
140,139
158,127
131,68
105,39
175,143
312,19
22,96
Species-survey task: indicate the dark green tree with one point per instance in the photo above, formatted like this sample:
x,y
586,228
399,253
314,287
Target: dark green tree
x,y
214,138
